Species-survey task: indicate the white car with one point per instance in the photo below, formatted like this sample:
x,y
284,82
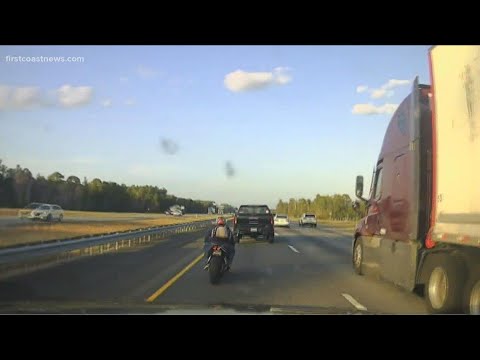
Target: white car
x,y
308,220
281,220
47,212
27,210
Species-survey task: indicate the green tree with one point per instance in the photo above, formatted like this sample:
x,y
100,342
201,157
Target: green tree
x,y
17,186
55,177
292,207
282,207
73,179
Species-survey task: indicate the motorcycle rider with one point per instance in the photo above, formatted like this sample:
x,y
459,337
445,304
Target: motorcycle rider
x,y
222,232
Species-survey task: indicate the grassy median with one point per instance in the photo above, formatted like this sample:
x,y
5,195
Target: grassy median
x,y
88,214
36,231
346,225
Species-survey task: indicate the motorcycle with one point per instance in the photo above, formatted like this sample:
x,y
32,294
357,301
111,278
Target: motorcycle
x,y
217,263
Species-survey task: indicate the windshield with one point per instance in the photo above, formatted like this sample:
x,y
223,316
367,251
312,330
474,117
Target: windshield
x,y
144,147
253,210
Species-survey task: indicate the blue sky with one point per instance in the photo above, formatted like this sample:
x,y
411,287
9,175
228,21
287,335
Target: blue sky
x,y
283,116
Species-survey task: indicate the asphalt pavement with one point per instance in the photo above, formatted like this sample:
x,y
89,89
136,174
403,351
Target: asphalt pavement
x,y
305,268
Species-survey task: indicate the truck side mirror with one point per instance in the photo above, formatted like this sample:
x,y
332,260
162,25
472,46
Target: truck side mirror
x,y
359,186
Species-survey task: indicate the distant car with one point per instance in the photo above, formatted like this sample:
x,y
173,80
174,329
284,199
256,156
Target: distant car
x,y
281,220
25,212
308,220
47,212
175,210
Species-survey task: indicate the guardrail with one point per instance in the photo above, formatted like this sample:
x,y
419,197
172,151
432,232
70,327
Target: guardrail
x,y
118,240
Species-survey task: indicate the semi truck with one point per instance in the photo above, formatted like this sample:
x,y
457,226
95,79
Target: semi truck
x,y
422,225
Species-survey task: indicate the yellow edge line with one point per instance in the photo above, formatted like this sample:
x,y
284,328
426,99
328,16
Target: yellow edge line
x,y
170,282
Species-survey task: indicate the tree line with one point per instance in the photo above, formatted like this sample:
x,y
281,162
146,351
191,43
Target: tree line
x,y
18,187
332,207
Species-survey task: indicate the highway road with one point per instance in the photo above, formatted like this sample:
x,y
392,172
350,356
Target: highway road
x,y
306,270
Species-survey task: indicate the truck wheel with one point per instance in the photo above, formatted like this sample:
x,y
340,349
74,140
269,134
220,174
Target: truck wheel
x,y
472,296
358,257
443,291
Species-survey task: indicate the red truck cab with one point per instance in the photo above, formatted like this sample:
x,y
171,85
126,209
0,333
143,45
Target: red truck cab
x,y
422,224
395,223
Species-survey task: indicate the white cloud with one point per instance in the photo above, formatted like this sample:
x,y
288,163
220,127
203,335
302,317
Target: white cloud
x,y
240,80
130,102
370,109
380,93
20,97
70,96
106,103
393,83
24,97
145,72
123,79
386,90
362,88
281,75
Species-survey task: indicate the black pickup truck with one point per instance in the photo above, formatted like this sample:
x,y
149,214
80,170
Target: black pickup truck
x,y
254,221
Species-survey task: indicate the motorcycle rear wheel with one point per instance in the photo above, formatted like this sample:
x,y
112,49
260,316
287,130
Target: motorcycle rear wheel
x,y
215,269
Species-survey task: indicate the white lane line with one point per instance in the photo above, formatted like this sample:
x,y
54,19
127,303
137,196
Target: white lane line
x,y
276,234
354,302
293,249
